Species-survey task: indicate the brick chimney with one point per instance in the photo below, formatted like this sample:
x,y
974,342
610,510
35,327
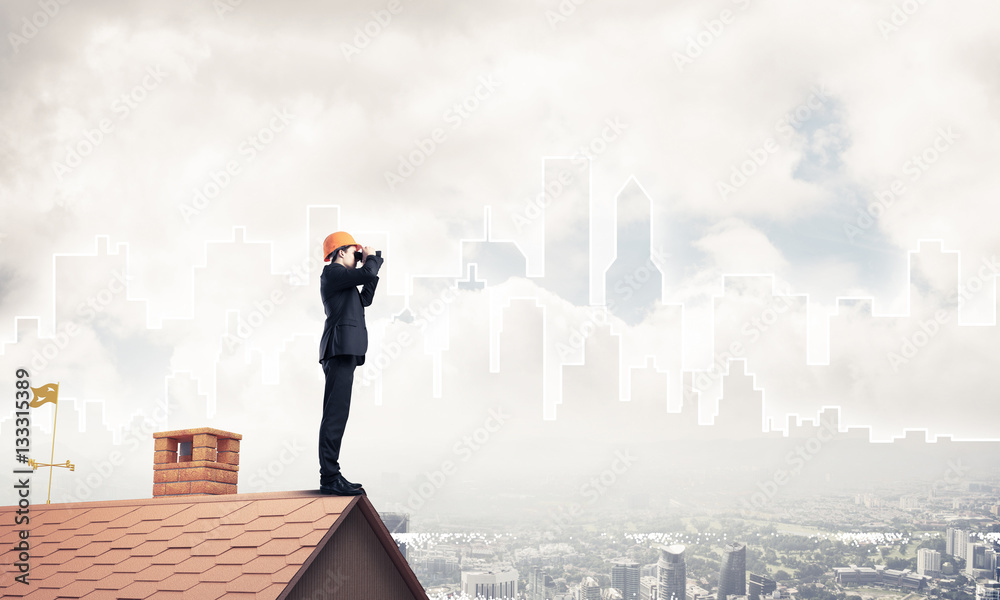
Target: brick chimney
x,y
190,462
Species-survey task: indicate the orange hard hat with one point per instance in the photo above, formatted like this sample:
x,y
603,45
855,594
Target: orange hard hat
x,y
336,240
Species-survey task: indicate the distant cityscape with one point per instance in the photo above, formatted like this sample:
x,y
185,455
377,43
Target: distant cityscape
x,y
945,548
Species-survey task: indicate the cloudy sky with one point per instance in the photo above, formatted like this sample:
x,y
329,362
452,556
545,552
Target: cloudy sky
x,y
817,144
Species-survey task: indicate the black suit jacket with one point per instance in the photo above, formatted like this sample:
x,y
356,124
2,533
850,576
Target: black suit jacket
x,y
344,331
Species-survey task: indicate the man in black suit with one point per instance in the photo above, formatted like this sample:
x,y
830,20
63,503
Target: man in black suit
x,y
343,346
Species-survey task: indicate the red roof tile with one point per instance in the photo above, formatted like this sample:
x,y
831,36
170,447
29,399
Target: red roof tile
x,y
194,564
74,566
221,573
251,539
94,573
76,589
172,556
137,589
94,549
155,573
111,557
291,530
115,581
150,548
211,548
207,589
270,592
299,556
284,575
265,523
249,583
225,532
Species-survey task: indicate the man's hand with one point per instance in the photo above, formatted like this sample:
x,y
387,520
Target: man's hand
x,y
366,252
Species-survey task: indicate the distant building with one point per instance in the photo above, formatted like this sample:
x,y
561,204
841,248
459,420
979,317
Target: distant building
x,y
988,590
396,523
904,580
540,585
671,573
439,563
695,592
760,585
733,573
928,562
856,575
647,588
956,542
588,589
625,579
864,576
490,584
975,559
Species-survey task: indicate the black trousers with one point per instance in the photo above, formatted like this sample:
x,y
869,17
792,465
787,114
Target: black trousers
x,y
339,372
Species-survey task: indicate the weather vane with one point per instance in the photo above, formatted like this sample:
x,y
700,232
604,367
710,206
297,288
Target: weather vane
x,y
43,394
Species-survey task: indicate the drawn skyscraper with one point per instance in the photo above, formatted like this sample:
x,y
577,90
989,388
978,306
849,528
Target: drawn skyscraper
x,y
671,573
495,261
733,574
633,284
567,229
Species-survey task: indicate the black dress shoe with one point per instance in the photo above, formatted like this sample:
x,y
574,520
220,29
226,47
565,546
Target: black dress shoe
x,y
340,476
337,488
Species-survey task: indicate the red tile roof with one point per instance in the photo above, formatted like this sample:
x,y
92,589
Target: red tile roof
x,y
205,547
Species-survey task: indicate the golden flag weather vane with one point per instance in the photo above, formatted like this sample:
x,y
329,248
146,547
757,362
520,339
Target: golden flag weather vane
x,y
44,394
